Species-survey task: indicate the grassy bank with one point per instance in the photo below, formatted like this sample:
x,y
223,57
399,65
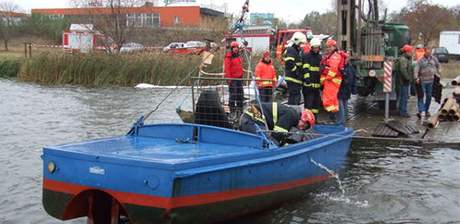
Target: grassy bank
x,y
451,70
110,70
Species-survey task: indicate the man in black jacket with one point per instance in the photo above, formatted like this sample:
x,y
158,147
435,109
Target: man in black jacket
x,y
278,118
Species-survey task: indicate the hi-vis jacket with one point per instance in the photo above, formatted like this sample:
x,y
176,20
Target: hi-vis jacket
x,y
265,72
331,78
293,64
311,70
278,117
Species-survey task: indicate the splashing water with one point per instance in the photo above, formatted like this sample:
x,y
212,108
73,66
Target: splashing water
x,y
332,173
342,198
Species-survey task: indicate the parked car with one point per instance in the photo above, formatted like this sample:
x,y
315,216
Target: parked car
x,y
195,44
131,47
174,45
441,54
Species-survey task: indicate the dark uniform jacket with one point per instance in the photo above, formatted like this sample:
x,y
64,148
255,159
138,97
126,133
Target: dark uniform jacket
x,y
311,70
293,64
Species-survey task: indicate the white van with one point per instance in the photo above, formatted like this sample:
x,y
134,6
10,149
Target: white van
x,y
451,41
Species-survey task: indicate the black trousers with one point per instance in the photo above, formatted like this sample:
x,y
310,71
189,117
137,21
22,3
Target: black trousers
x,y
266,94
236,95
312,99
294,90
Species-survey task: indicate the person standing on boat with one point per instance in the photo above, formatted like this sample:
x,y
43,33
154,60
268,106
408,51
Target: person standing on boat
x,y
266,78
311,77
293,65
279,119
233,69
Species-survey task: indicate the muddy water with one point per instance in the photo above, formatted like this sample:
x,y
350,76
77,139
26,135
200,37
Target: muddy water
x,y
382,184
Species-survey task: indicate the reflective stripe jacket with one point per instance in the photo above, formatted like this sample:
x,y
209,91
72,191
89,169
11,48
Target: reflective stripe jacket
x,y
311,70
279,118
265,71
233,66
293,64
331,78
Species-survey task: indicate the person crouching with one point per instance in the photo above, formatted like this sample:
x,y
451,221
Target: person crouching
x,y
279,119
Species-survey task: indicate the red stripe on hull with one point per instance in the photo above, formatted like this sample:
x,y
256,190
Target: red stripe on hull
x,y
184,201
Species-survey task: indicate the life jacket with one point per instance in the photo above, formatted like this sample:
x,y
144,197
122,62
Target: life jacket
x,y
265,72
233,66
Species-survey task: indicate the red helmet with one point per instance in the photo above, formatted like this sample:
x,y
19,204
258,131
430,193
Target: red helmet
x,y
234,44
331,42
308,117
406,48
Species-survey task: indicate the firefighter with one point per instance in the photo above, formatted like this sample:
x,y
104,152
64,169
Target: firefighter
x,y
331,75
265,71
311,77
233,69
306,47
278,117
293,65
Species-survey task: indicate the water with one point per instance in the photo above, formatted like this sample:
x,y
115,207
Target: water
x,y
382,184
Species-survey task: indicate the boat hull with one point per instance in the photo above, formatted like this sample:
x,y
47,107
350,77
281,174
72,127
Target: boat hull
x,y
201,191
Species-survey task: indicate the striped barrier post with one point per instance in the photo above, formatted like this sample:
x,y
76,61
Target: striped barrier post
x,y
387,86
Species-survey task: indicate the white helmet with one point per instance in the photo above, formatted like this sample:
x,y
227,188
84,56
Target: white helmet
x,y
298,38
315,42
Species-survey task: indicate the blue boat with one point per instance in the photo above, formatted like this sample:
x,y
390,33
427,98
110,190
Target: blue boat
x,y
184,173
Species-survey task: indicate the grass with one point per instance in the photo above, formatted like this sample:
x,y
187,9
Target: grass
x,y
100,69
9,67
450,70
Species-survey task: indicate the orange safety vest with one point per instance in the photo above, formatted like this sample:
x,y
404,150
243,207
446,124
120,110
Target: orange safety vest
x,y
265,71
331,78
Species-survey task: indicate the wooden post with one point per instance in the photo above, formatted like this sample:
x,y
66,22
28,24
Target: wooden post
x,y
25,49
30,50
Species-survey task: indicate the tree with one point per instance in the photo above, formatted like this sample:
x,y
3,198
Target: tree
x,y
110,20
325,23
9,21
427,20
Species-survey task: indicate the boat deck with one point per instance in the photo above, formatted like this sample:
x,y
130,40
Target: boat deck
x,y
157,150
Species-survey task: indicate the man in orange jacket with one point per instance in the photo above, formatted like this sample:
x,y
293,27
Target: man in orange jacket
x,y
331,75
265,78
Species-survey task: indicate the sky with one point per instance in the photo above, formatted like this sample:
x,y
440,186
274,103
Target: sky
x,y
288,10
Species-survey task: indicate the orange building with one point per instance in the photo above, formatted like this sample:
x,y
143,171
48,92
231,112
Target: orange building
x,y
146,16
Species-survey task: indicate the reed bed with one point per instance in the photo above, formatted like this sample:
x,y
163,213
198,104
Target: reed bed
x,y
96,70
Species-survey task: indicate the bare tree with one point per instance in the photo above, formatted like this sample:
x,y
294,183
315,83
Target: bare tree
x,y
427,20
109,17
9,20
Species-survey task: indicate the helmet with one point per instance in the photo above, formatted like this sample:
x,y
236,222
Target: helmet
x,y
315,42
331,42
266,54
298,38
406,49
419,46
234,44
308,117
310,35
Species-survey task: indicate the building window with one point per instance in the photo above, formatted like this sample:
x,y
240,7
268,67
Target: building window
x,y
143,20
176,20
